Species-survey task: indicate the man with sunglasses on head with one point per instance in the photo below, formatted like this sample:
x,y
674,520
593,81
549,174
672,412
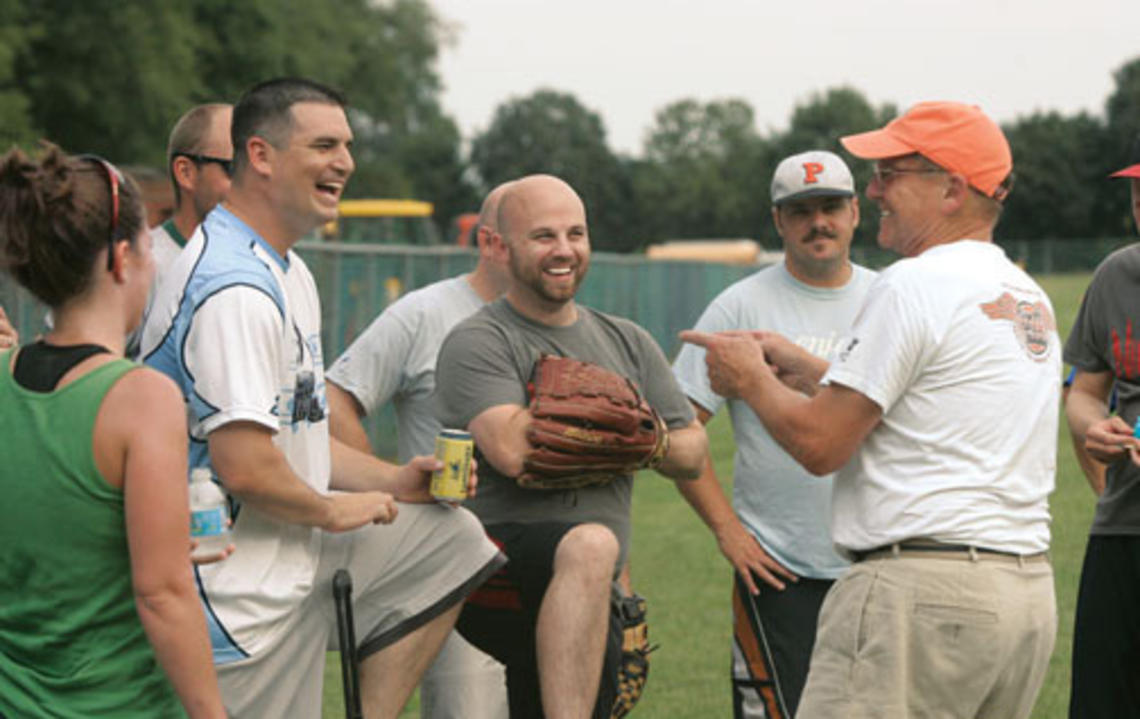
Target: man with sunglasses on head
x,y
199,155
939,414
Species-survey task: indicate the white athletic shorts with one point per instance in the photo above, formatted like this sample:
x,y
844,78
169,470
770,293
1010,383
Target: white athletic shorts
x,y
404,575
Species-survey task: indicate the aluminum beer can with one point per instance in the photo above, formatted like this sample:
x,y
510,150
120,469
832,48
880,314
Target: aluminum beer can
x,y
453,447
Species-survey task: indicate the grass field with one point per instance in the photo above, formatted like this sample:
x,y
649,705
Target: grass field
x,y
677,565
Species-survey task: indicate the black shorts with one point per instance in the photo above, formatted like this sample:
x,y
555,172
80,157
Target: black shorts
x,y
773,635
1106,633
500,617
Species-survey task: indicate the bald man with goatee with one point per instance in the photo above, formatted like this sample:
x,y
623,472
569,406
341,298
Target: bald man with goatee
x,y
548,615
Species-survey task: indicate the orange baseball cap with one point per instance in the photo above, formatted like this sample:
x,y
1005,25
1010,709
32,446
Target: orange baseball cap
x,y
953,135
1132,170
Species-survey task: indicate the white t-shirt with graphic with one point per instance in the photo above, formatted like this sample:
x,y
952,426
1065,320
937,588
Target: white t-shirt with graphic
x,y
959,348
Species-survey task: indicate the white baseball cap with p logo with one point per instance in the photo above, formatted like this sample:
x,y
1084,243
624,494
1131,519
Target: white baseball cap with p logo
x,y
811,174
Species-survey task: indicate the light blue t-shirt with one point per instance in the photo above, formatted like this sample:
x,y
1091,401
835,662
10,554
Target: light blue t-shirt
x,y
784,506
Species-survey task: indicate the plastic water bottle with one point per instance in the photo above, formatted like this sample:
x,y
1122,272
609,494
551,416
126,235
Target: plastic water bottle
x,y
209,514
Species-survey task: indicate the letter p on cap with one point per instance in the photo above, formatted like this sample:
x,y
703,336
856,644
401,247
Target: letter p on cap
x,y
811,172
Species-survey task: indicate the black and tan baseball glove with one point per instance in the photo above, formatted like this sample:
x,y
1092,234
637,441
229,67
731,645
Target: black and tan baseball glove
x,y
635,648
589,426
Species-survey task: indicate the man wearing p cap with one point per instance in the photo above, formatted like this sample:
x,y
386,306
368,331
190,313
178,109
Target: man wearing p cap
x,y
939,412
1106,634
776,528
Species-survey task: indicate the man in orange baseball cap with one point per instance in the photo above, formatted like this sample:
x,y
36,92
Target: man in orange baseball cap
x,y
938,413
1106,635
942,141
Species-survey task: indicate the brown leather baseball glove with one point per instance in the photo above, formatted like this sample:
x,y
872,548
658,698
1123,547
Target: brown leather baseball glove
x,y
589,426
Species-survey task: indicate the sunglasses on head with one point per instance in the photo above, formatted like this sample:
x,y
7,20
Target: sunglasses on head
x,y
114,179
226,165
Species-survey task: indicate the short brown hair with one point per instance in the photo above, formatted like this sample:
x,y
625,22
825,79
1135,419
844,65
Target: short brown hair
x,y
265,110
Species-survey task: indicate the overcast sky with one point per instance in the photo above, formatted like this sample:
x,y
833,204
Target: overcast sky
x,y
625,59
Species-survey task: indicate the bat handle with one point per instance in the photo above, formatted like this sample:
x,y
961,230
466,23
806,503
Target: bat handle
x,y
346,635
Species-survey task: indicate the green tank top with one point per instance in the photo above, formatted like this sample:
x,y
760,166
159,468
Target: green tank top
x,y
71,643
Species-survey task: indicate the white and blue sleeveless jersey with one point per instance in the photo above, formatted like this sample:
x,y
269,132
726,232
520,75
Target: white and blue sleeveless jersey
x,y
237,327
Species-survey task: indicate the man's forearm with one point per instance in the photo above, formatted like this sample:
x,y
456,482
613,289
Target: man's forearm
x,y
254,469
688,447
707,499
1082,410
1093,470
500,434
822,432
277,491
780,409
345,419
356,471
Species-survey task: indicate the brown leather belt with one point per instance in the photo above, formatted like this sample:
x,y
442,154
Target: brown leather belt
x,y
939,550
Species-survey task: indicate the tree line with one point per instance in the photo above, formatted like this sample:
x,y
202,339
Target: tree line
x,y
111,77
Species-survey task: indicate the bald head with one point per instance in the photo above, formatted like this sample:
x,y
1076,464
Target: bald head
x,y
202,130
489,212
490,277
546,245
525,200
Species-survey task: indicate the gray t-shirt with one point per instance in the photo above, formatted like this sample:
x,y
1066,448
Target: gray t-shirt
x,y
487,360
1106,338
394,359
785,507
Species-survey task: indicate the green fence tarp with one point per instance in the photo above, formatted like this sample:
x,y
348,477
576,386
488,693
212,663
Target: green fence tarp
x,y
357,281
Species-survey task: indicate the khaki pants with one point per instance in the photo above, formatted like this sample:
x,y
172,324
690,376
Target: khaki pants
x,y
947,636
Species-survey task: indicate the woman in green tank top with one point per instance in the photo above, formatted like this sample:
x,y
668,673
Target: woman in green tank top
x,y
99,614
